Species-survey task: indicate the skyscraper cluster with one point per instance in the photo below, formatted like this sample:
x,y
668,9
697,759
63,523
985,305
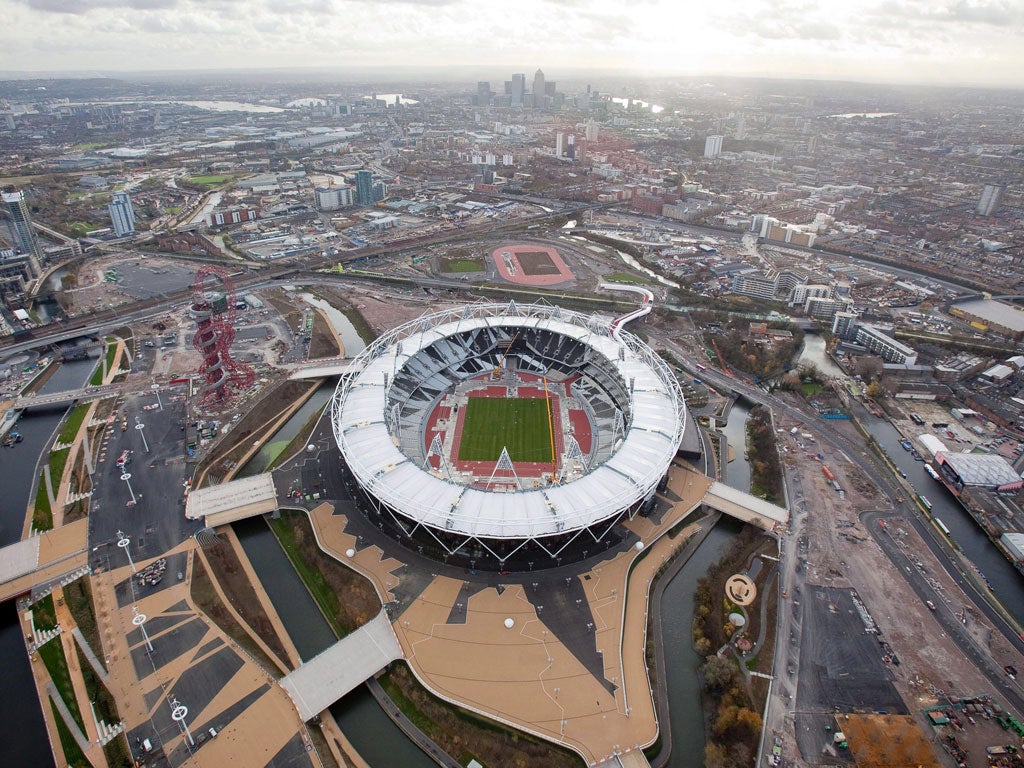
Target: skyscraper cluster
x,y
543,94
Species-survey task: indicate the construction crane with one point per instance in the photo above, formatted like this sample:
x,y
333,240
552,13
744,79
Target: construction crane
x,y
508,348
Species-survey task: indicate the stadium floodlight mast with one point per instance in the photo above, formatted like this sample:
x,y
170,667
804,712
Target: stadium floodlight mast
x,y
124,542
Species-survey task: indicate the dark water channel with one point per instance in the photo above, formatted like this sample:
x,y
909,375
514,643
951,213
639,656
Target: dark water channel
x,y
22,730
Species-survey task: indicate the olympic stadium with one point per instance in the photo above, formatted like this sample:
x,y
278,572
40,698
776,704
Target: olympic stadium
x,y
508,436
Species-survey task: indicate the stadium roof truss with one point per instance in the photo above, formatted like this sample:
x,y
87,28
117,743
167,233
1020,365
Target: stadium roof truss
x,y
417,497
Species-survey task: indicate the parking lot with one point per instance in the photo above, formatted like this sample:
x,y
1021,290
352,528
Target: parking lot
x,y
841,669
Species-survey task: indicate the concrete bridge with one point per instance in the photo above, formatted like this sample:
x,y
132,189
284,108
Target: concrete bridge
x,y
45,558
348,663
322,367
67,396
743,506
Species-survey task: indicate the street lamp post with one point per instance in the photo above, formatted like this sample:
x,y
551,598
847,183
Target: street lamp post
x,y
123,542
156,391
139,620
126,477
178,714
141,428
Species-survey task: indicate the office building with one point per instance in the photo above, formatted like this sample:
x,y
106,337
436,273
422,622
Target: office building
x,y
844,325
483,93
991,197
592,132
22,231
333,198
712,146
17,271
538,90
878,340
237,215
570,147
122,215
758,286
518,90
559,144
364,188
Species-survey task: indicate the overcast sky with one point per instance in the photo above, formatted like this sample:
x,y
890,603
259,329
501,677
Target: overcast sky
x,y
954,41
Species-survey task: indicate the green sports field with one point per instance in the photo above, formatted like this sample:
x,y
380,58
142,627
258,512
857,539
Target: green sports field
x,y
521,425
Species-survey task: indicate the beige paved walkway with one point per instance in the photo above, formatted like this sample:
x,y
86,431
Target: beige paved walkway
x,y
524,676
251,738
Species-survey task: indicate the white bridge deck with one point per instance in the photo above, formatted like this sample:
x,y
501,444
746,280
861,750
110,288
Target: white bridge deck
x,y
233,500
743,506
67,396
348,663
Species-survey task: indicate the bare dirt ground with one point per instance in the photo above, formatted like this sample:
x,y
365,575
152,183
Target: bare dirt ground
x,y
842,553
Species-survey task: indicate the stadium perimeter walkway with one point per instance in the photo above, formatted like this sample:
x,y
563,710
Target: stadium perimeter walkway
x,y
535,675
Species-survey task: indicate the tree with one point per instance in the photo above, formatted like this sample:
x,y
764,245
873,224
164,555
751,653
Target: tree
x,y
719,673
868,367
716,756
875,390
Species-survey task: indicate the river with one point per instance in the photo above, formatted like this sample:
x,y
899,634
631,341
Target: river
x,y
813,353
22,730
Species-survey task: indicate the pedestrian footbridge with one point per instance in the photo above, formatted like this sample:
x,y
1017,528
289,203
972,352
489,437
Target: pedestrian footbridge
x,y
46,557
323,367
67,396
233,500
743,506
348,663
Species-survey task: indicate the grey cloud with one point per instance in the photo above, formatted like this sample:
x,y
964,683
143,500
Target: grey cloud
x,y
807,30
998,13
76,7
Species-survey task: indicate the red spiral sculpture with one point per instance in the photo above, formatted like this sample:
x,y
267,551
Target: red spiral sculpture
x,y
225,377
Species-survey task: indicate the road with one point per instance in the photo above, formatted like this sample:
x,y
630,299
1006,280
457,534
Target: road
x,y
254,278
944,613
793,573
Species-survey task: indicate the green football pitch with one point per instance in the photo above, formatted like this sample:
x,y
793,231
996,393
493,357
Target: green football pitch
x,y
521,425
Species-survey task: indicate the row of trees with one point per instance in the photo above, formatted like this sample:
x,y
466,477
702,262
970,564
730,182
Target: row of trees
x,y
733,725
765,467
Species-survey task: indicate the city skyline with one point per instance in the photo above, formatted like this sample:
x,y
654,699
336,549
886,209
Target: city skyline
x,y
954,42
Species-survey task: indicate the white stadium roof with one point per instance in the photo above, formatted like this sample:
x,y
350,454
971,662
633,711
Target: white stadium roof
x,y
629,475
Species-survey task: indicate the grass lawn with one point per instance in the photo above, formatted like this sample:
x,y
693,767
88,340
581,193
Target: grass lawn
x,y
311,576
52,655
44,614
521,425
57,461
625,277
110,353
73,423
211,181
811,388
78,596
462,265
42,517
72,752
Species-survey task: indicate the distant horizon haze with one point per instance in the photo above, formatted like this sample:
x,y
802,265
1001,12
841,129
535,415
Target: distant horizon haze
x,y
926,42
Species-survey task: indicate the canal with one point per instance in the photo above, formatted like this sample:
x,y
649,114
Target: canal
x,y
813,353
1007,583
22,730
